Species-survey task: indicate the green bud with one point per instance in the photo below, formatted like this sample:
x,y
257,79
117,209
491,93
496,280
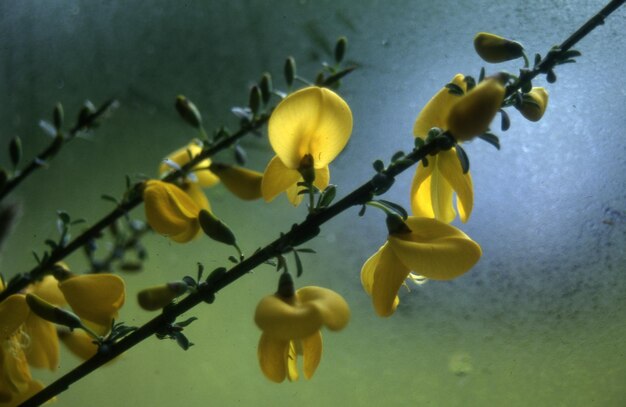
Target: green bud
x,y
290,70
215,228
255,99
395,225
188,111
155,298
57,116
340,48
266,87
15,150
49,312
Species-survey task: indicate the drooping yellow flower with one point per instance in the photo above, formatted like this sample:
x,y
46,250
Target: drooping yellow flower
x,y
534,104
291,326
172,211
307,130
434,185
242,182
431,249
493,48
205,178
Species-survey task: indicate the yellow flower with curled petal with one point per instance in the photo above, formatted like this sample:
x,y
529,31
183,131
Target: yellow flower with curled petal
x,y
465,116
242,182
205,178
172,211
291,323
432,249
307,130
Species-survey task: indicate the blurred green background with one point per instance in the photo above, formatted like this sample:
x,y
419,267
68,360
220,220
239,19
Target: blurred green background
x,y
539,321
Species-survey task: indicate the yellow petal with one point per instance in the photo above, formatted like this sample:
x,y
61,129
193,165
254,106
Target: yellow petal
x,y
95,297
32,387
292,362
272,354
15,375
292,193
434,249
431,194
277,178
311,353
421,201
332,307
43,350
367,272
389,276
436,111
13,313
206,178
322,178
192,231
169,210
197,195
284,321
244,183
473,113
48,290
79,343
312,121
450,168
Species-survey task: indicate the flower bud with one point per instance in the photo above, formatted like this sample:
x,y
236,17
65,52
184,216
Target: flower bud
x,y
290,70
155,298
340,48
49,312
188,111
471,115
493,48
266,87
216,229
534,104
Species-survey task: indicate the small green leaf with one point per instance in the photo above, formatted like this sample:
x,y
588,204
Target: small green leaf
x,y
110,199
397,156
182,340
378,165
57,116
188,111
306,250
572,53
537,59
64,217
454,89
266,87
463,160
233,259
244,113
327,197
505,122
299,269
362,210
470,82
334,78
419,143
551,76
185,323
491,139
481,76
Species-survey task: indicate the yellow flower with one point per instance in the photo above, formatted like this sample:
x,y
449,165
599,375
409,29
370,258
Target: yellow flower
x,y
16,383
307,130
534,104
242,182
468,115
172,211
291,326
95,298
432,249
493,48
182,156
